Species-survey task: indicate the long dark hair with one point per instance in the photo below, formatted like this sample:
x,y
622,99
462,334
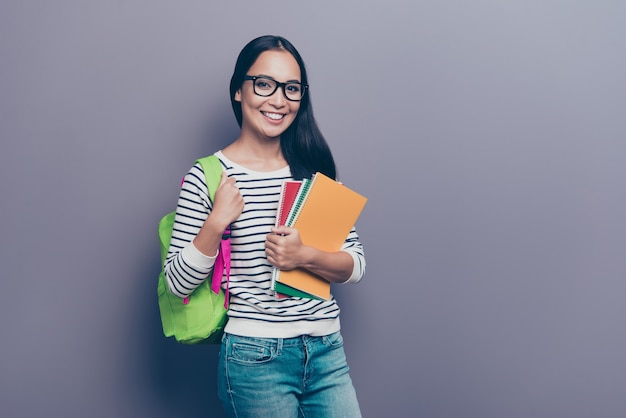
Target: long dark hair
x,y
302,144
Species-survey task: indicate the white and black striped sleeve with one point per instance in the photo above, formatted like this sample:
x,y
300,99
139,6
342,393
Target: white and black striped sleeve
x,y
186,267
353,246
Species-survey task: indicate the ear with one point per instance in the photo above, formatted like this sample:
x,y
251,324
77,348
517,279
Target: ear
x,y
238,95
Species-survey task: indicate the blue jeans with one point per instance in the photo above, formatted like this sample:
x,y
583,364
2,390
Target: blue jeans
x,y
286,378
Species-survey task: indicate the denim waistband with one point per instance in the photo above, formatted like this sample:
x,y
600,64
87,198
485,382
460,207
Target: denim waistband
x,y
302,340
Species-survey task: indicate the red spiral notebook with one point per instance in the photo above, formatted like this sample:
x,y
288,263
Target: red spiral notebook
x,y
323,211
288,194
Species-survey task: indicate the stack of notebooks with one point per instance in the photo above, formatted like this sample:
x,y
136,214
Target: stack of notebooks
x,y
323,211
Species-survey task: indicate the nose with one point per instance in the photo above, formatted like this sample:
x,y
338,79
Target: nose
x,y
278,99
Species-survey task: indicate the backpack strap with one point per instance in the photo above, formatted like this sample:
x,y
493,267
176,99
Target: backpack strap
x,y
212,168
212,173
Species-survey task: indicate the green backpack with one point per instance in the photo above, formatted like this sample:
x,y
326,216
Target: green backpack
x,y
201,317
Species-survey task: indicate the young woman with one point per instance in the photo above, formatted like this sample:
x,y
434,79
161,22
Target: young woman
x,y
280,357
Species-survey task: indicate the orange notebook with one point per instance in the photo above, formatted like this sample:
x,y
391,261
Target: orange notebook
x,y
327,214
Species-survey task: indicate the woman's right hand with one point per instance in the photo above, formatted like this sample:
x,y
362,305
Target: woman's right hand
x,y
227,207
228,203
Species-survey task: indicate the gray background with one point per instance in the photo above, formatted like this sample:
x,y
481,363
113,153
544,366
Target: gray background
x,y
489,137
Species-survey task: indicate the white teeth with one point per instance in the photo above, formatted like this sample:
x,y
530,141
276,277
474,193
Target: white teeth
x,y
274,116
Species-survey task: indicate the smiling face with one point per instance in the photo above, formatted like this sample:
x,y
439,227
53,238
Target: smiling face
x,y
269,117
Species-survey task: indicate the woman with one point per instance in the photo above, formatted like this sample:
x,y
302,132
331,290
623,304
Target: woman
x,y
280,357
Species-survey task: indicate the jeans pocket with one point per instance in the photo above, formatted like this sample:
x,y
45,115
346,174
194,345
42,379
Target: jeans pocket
x,y
334,339
250,351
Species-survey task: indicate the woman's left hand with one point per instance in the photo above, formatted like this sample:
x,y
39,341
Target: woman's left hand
x,y
284,248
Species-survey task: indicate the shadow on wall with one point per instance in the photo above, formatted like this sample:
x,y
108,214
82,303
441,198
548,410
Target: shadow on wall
x,y
180,379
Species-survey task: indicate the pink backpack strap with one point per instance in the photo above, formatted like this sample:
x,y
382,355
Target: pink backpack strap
x,y
222,266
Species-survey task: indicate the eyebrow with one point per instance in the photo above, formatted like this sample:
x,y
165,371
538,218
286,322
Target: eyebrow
x,y
272,78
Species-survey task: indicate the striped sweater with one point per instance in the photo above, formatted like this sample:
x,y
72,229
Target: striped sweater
x,y
254,310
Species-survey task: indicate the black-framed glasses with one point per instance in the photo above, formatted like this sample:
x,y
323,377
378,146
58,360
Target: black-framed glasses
x,y
266,86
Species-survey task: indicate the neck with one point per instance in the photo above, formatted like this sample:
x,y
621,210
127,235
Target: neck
x,y
257,155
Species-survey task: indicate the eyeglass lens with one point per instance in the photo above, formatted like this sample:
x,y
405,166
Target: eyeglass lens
x,y
267,87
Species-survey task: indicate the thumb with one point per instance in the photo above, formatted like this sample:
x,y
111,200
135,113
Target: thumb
x,y
223,179
281,230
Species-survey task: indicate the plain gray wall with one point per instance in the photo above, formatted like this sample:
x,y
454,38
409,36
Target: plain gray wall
x,y
489,137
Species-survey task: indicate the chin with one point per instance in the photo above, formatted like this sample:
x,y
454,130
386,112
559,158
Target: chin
x,y
273,137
